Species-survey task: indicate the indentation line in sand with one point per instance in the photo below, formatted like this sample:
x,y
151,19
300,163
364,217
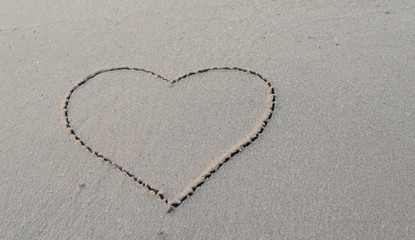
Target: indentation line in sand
x,y
206,174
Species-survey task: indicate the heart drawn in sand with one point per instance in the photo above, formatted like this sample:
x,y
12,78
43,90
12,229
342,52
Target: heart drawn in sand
x,y
100,148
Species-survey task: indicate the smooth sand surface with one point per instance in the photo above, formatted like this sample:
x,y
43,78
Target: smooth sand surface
x,y
335,161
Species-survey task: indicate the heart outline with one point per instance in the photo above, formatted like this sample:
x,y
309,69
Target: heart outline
x,y
236,149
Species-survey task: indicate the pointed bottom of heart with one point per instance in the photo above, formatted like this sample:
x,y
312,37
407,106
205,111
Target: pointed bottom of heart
x,y
170,135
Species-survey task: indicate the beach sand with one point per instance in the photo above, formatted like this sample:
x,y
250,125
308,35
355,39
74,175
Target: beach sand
x,y
111,129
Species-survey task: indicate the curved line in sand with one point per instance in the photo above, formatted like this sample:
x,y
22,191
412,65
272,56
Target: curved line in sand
x,y
236,149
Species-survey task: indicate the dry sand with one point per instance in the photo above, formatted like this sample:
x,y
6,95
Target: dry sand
x,y
335,160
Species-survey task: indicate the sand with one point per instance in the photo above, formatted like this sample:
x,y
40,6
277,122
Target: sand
x,y
316,142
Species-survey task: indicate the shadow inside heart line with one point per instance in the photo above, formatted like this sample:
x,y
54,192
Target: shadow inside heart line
x,y
168,132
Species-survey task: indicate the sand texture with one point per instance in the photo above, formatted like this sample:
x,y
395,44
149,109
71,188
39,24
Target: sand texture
x,y
207,120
